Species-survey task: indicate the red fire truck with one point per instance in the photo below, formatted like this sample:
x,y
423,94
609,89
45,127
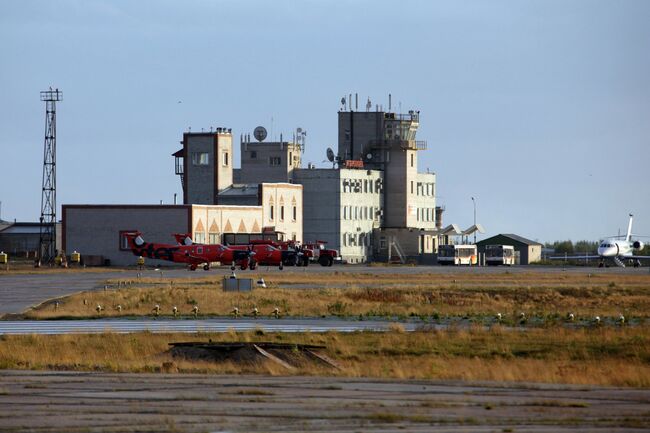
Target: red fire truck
x,y
311,251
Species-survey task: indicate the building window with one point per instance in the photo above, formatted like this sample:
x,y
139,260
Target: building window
x,y
412,159
411,187
200,158
271,212
275,160
281,213
290,157
199,238
253,154
225,159
213,238
295,213
382,243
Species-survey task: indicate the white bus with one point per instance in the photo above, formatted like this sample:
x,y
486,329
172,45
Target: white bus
x,y
499,255
457,255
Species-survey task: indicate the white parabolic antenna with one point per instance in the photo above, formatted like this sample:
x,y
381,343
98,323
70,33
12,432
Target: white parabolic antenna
x,y
330,154
259,133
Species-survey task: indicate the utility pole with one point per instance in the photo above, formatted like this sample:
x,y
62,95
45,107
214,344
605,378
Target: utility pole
x,y
47,238
474,203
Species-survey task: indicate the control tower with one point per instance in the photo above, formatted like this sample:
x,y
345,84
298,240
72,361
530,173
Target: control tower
x,y
386,141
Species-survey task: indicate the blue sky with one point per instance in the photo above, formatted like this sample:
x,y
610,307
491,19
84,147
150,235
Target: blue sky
x,y
539,109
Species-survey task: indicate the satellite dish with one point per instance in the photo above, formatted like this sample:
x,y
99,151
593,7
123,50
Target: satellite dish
x,y
330,154
343,101
369,156
299,130
260,133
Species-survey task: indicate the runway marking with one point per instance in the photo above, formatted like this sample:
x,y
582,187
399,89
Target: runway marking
x,y
120,326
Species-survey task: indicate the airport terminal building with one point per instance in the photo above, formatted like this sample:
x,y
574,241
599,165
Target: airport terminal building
x,y
373,204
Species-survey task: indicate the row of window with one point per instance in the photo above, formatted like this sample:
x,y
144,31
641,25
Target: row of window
x,y
425,189
203,158
357,239
426,214
277,160
359,213
294,213
361,185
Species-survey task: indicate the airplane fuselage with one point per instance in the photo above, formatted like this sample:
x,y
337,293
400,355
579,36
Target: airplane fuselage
x,y
610,248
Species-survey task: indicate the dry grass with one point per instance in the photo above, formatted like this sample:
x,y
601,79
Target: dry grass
x,y
604,356
346,294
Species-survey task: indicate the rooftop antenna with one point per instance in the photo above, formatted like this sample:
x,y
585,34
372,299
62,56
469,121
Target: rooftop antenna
x,y
300,138
47,238
389,102
343,103
356,101
368,105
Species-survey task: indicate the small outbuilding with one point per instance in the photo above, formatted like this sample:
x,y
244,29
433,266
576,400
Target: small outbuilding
x,y
529,251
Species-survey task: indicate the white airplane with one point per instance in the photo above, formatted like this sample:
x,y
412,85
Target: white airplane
x,y
620,250
617,248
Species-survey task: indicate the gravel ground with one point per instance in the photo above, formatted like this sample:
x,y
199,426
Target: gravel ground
x,y
103,402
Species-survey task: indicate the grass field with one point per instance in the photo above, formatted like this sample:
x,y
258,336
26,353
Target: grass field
x,y
604,356
548,296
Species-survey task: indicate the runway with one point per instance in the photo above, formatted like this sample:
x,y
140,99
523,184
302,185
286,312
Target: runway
x,y
125,326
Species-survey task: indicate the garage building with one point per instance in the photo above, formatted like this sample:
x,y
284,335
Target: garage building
x,y
529,251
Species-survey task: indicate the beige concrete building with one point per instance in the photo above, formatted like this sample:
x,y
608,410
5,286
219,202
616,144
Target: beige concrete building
x,y
204,165
268,161
97,230
342,208
282,205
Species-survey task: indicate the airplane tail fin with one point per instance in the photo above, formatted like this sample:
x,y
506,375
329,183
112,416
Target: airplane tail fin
x,y
134,239
183,238
629,229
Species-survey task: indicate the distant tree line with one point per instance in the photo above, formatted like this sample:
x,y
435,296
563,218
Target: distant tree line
x,y
587,247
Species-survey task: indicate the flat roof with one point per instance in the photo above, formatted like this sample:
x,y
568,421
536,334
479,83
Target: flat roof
x,y
242,189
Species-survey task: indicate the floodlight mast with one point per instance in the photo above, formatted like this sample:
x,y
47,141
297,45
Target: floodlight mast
x,y
47,239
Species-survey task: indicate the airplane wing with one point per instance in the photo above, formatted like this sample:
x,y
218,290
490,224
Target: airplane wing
x,y
575,257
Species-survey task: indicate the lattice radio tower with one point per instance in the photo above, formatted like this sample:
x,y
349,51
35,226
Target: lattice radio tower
x,y
47,242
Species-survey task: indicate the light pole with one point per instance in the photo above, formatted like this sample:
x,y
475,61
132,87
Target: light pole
x,y
474,203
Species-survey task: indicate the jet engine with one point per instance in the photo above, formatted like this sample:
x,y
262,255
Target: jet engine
x,y
637,245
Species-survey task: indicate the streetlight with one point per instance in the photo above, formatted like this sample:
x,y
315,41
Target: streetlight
x,y
474,203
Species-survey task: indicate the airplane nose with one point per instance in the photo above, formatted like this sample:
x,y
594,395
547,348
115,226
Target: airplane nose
x,y
607,252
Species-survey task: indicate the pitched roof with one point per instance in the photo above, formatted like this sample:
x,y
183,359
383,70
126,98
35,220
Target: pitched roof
x,y
514,237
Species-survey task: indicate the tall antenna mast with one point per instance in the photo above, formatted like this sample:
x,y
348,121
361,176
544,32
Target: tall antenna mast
x,y
47,239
